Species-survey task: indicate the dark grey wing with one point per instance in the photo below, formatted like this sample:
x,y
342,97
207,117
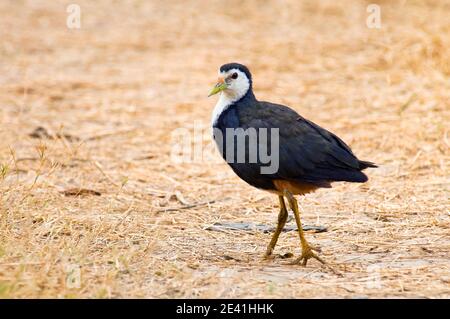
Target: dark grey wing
x,y
307,152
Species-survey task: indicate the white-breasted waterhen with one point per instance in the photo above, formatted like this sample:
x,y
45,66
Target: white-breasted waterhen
x,y
309,157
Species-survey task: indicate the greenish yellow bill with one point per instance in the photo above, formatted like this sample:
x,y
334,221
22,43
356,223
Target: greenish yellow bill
x,y
217,88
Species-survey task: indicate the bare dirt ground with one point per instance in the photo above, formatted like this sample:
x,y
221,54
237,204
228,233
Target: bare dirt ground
x,y
92,204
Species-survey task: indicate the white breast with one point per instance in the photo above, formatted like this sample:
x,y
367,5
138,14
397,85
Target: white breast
x,y
222,104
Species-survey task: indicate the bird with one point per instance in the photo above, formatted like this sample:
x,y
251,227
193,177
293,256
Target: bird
x,y
309,156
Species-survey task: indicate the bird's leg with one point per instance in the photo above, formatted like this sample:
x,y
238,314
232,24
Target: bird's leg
x,y
282,217
307,250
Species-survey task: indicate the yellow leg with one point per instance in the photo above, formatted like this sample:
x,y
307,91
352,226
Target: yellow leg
x,y
282,218
307,250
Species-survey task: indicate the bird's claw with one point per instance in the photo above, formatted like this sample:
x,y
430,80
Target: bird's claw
x,y
306,255
315,248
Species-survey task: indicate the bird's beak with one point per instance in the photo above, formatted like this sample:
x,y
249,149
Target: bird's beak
x,y
220,86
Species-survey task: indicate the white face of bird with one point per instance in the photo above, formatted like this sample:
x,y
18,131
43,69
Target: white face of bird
x,y
233,83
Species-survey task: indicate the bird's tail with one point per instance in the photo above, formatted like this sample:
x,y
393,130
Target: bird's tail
x,y
365,164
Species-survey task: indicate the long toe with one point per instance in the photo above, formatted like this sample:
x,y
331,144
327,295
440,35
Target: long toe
x,y
303,260
306,255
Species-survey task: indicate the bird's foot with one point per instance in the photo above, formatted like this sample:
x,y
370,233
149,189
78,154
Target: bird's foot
x,y
307,253
268,256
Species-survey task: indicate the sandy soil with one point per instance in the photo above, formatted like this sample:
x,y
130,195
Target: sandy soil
x,y
93,205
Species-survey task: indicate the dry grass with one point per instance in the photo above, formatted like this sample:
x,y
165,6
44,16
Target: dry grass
x,y
111,93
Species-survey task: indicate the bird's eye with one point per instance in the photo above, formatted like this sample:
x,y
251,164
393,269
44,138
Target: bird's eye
x,y
234,76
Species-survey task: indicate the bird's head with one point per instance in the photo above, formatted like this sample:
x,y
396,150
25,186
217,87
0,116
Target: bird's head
x,y
234,81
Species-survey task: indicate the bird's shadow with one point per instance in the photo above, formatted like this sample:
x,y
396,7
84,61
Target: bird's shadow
x,y
251,227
